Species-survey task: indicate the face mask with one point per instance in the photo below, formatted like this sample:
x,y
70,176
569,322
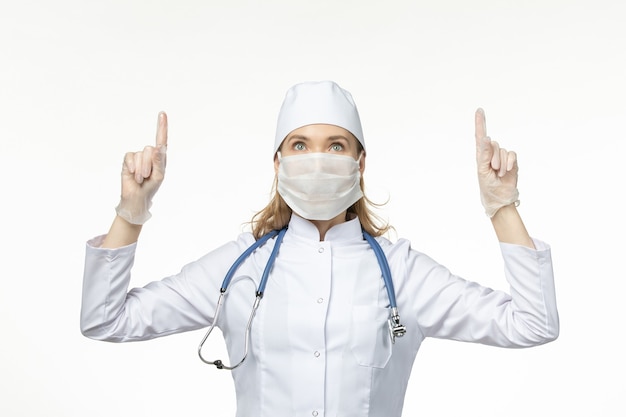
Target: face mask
x,y
319,186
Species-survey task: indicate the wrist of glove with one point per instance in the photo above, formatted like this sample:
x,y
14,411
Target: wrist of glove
x,y
135,211
493,199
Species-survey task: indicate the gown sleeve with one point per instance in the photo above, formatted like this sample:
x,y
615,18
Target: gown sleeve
x,y
182,302
449,307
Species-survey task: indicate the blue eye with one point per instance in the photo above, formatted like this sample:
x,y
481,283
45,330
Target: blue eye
x,y
337,147
299,146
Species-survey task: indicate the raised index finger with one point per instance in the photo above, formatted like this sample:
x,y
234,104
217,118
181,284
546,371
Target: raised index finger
x,y
161,136
480,129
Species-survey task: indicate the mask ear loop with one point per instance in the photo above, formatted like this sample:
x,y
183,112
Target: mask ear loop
x,y
358,161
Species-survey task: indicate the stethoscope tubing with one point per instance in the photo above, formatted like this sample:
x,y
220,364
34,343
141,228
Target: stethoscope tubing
x,y
395,328
384,268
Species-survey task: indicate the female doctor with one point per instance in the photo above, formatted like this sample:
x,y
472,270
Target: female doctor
x,y
325,317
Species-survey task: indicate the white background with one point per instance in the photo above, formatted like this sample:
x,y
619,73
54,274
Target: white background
x,y
81,83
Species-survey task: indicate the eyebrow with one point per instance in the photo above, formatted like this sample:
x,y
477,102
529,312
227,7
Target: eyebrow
x,y
305,138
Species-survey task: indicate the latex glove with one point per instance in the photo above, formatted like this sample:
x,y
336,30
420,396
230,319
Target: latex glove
x,y
142,175
497,170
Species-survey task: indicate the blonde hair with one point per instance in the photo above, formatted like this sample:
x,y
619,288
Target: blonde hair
x,y
277,213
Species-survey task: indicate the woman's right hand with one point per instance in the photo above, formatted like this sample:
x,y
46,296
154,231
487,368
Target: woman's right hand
x,y
142,175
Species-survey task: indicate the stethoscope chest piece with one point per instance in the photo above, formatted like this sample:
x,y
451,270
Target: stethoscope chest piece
x,y
396,329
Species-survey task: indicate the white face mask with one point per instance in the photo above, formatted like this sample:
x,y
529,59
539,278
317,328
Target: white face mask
x,y
318,185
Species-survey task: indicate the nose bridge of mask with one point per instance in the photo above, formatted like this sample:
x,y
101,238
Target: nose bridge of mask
x,y
320,163
339,164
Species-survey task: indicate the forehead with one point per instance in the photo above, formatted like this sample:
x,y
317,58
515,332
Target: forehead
x,y
322,132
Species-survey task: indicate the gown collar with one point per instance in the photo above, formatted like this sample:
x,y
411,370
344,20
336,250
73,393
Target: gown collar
x,y
346,231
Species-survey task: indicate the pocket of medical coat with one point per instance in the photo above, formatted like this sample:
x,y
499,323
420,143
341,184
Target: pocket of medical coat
x,y
369,336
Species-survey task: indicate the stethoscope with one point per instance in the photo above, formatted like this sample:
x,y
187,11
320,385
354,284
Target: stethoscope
x,y
395,328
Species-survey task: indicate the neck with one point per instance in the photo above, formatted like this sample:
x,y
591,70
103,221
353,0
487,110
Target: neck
x,y
324,226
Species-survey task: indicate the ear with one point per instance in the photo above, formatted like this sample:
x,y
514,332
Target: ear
x,y
276,163
362,162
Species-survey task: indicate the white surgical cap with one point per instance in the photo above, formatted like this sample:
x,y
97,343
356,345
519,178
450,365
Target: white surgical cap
x,y
320,102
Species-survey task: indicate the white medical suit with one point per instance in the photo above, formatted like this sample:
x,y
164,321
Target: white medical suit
x,y
320,344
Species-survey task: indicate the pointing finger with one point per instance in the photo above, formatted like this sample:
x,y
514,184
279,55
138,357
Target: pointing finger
x,y
483,145
161,136
480,126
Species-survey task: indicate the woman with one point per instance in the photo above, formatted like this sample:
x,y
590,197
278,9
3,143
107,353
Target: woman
x,y
322,341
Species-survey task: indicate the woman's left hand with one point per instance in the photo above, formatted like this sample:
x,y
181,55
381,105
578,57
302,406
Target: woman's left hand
x,y
497,170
